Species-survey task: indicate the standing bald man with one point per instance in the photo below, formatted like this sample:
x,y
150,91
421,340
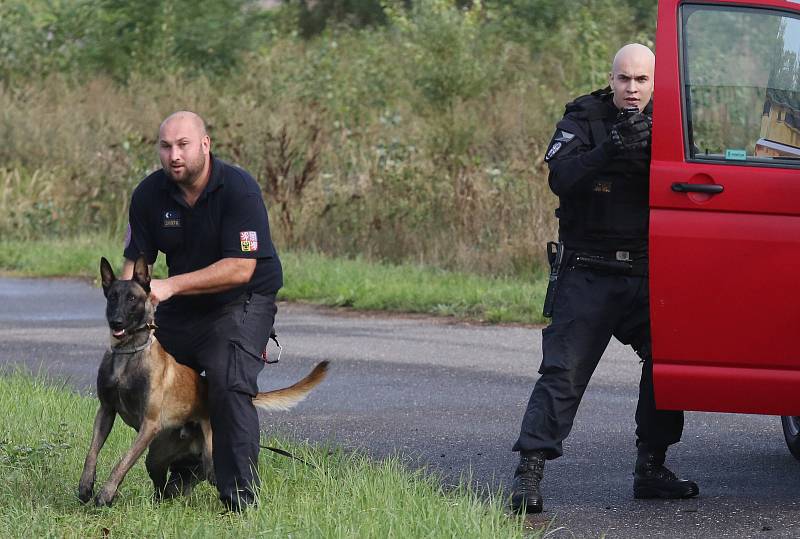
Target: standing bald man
x,y
217,307
599,160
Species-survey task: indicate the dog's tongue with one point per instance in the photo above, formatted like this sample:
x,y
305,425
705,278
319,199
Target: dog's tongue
x,y
119,333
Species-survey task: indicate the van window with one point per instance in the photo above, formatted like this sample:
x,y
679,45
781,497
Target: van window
x,y
741,85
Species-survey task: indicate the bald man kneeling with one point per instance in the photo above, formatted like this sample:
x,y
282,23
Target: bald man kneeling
x,y
599,161
217,307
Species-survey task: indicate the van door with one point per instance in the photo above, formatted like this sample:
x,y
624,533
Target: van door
x,y
725,207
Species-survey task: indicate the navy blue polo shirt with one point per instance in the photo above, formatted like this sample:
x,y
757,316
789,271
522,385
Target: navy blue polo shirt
x,y
229,220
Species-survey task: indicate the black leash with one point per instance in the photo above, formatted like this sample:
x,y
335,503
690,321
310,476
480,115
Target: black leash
x,y
286,454
265,356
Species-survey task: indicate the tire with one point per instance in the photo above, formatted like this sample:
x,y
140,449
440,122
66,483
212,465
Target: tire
x,y
791,432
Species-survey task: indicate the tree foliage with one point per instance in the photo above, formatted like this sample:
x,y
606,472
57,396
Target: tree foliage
x,y
118,37
314,17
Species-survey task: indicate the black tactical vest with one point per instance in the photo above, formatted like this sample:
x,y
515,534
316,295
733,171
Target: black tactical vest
x,y
611,212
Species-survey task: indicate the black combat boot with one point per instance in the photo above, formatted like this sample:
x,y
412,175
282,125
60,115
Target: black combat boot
x,y
651,479
525,496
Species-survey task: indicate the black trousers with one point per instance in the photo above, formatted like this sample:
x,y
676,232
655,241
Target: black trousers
x,y
227,344
590,307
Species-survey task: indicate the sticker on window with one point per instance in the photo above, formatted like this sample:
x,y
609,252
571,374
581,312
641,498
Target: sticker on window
x,y
736,155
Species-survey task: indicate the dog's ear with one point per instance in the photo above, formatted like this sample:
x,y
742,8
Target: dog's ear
x,y
141,274
106,275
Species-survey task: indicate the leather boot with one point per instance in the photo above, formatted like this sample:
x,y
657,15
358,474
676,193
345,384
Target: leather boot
x,y
525,496
651,479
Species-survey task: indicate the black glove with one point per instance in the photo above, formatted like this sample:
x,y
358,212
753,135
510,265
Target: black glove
x,y
632,133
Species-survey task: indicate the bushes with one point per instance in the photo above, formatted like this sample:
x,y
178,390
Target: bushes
x,y
120,38
314,17
427,132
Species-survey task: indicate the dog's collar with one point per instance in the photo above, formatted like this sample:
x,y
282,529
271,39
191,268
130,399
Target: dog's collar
x,y
149,326
121,350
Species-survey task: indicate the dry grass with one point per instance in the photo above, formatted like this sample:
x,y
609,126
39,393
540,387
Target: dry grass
x,y
396,181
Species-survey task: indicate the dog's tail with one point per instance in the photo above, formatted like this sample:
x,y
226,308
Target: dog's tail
x,y
283,399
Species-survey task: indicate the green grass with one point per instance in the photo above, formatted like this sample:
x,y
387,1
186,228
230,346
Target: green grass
x,y
45,431
321,280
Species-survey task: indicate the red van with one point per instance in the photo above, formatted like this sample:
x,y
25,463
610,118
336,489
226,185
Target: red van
x,y
725,209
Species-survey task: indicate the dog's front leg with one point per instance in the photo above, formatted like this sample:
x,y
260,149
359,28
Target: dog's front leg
x,y
208,461
147,431
103,422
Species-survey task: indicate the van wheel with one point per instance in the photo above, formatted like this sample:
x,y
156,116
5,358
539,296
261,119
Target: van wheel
x,y
791,431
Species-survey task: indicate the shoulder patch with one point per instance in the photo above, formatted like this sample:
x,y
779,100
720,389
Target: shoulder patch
x,y
249,241
553,150
564,136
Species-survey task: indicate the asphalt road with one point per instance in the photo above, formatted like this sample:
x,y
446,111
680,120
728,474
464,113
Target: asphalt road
x,y
449,397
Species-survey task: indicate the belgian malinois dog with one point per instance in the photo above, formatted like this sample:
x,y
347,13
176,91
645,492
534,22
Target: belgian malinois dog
x,y
163,400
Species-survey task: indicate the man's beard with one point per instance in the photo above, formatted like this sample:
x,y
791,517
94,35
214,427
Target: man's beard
x,y
191,171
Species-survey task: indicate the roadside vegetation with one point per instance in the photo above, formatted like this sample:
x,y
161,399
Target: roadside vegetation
x,y
45,431
391,133
320,279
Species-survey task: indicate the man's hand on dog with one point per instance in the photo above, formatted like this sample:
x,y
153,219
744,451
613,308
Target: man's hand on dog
x,y
160,290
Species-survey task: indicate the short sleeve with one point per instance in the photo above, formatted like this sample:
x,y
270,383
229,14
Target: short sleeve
x,y
245,228
139,237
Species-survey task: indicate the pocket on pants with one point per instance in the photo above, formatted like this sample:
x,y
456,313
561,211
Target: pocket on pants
x,y
555,350
243,369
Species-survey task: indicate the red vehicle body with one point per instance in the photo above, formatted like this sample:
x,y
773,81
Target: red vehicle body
x,y
725,207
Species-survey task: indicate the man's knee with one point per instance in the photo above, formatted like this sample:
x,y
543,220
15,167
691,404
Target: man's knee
x,y
556,379
231,365
242,369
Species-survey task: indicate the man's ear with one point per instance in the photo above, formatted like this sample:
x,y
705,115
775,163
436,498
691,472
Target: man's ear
x,y
106,275
141,274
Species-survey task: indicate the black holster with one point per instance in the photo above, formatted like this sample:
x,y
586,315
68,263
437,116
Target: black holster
x,y
557,259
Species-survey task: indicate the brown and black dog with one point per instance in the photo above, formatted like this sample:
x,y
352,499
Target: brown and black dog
x,y
160,398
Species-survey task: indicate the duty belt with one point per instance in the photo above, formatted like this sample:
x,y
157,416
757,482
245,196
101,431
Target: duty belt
x,y
616,262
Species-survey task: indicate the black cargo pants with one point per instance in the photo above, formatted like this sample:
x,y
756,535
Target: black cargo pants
x,y
227,344
590,307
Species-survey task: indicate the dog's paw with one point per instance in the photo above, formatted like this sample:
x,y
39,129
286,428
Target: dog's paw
x,y
208,470
105,498
211,478
85,492
208,473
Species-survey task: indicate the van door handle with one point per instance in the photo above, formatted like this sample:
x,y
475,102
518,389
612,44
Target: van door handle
x,y
709,188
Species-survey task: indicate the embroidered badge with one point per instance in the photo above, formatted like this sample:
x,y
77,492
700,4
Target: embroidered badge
x,y
172,219
249,241
602,187
564,136
552,151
